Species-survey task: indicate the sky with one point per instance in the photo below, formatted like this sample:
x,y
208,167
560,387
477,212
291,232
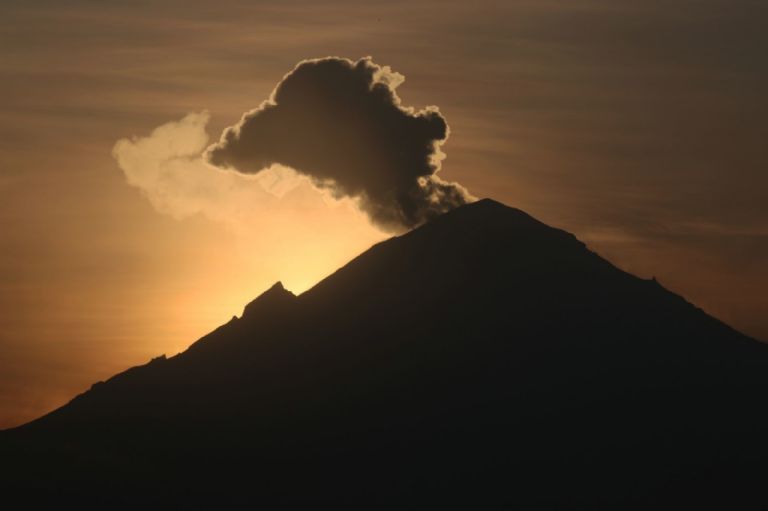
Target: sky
x,y
638,126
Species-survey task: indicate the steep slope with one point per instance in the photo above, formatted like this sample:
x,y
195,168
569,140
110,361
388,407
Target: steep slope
x,y
483,357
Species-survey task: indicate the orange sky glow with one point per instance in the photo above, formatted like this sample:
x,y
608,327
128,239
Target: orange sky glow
x,y
637,127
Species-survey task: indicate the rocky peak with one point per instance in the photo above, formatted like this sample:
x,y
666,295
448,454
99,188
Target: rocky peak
x,y
273,297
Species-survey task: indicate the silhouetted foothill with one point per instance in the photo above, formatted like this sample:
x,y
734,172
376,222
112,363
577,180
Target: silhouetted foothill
x,y
515,369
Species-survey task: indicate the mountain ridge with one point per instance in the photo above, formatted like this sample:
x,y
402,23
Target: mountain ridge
x,y
482,347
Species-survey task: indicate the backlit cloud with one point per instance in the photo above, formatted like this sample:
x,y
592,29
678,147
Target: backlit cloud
x,y
342,124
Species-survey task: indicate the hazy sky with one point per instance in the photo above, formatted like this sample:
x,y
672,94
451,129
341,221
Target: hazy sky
x,y
638,126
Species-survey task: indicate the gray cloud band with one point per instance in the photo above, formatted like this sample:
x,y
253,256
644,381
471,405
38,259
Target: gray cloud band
x,y
342,124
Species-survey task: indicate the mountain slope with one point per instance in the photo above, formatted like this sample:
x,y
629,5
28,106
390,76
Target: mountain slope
x,y
484,357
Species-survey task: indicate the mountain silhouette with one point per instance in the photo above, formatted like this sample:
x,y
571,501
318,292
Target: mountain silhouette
x,y
483,359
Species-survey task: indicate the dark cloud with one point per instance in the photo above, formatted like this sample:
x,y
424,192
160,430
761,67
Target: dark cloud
x,y
342,124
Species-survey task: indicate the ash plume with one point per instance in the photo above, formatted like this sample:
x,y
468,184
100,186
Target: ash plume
x,y
342,124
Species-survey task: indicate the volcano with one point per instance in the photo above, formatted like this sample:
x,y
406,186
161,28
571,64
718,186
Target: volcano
x,y
483,359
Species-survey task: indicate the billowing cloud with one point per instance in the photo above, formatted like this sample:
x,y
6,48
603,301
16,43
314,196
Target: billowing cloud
x,y
167,166
342,124
169,169
276,216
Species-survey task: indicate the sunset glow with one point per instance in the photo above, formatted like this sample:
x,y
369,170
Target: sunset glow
x,y
636,127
